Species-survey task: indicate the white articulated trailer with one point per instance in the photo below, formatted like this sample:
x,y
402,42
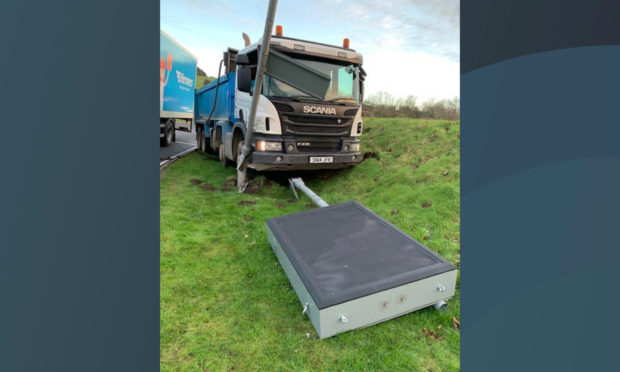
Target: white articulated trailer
x,y
177,82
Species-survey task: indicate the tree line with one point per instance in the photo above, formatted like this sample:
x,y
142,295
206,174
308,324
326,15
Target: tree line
x,y
202,78
384,105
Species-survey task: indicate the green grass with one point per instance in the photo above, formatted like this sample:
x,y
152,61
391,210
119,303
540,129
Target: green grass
x,y
226,304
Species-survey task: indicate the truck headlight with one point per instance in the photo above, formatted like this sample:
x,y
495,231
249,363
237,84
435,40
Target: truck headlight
x,y
354,147
268,146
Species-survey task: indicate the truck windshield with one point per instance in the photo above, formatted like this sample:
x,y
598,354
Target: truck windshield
x,y
344,84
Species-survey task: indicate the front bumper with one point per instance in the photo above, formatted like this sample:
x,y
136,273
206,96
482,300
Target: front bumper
x,y
262,161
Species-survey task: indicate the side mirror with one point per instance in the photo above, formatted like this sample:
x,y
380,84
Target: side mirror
x,y
244,79
242,59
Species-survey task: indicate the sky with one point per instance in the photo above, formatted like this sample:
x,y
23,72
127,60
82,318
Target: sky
x,y
410,47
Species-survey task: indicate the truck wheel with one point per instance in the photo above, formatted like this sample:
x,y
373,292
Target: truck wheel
x,y
213,141
242,176
203,140
168,133
240,148
209,149
225,162
200,139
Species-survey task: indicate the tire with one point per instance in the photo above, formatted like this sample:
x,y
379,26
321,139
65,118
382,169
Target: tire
x,y
240,148
242,176
208,148
212,141
222,151
168,134
200,139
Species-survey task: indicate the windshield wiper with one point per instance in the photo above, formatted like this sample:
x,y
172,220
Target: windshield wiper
x,y
297,98
287,98
305,97
341,98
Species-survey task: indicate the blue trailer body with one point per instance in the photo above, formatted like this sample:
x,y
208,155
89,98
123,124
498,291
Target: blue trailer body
x,y
177,79
223,114
225,105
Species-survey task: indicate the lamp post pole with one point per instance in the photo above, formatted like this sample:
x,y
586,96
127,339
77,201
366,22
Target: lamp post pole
x,y
258,86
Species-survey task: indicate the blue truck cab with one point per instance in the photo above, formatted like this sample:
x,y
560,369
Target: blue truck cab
x,y
309,113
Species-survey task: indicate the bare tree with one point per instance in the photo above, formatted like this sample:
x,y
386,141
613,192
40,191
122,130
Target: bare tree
x,y
383,104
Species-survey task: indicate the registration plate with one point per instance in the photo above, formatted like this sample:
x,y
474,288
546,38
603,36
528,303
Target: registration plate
x,y
321,159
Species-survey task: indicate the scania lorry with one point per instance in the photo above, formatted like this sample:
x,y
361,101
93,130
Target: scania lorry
x,y
177,82
309,113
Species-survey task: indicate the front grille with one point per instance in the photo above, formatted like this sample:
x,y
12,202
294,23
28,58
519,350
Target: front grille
x,y
318,146
321,125
317,120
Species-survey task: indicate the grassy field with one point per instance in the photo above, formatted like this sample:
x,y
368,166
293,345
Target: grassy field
x,y
227,305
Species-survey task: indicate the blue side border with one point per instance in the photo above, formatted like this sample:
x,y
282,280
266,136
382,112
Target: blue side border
x,y
79,191
540,166
494,31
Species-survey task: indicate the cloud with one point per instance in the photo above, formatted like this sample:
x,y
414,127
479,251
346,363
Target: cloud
x,y
208,59
409,46
428,26
411,73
